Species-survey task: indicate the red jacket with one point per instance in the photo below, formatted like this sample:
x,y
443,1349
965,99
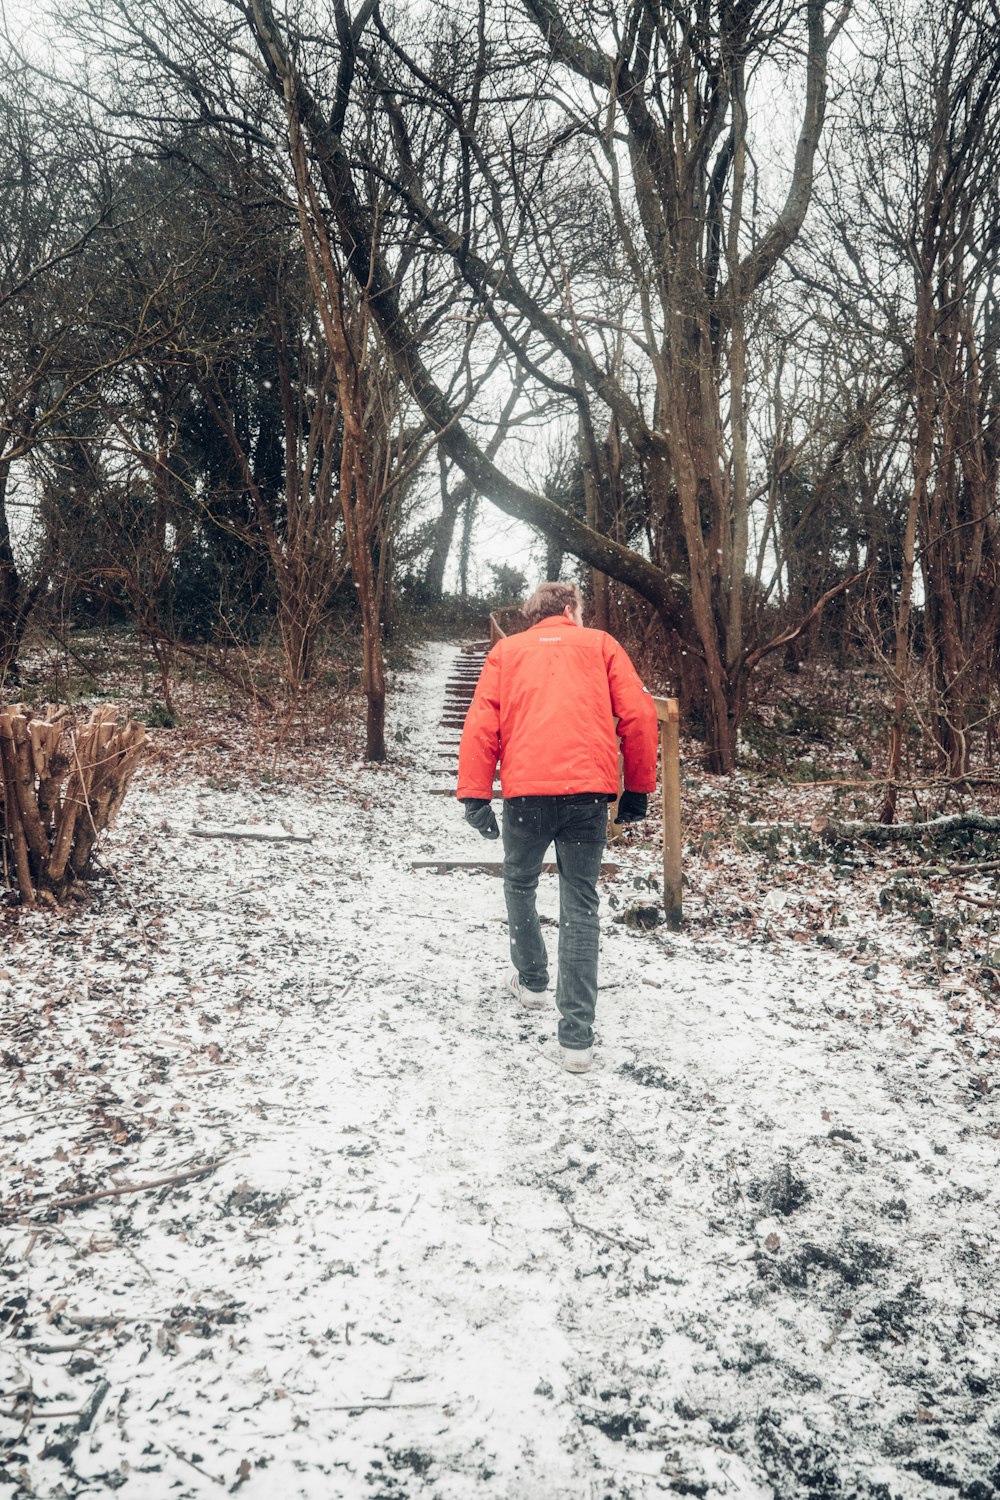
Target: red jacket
x,y
545,707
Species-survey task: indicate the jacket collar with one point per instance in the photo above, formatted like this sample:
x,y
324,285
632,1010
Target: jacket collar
x,y
554,620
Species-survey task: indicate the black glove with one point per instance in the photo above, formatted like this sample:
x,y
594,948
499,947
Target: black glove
x,y
479,814
631,807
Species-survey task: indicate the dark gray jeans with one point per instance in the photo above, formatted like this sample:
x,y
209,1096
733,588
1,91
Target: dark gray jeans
x,y
577,825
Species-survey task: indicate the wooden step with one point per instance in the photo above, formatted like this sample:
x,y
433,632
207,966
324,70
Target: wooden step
x,y
449,791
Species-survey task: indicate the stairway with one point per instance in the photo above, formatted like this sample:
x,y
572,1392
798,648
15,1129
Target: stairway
x,y
459,692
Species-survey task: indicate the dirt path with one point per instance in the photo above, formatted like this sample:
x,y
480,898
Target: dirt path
x,y
753,1254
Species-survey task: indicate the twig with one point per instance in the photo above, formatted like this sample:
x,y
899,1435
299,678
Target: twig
x,y
601,1234
142,1267
378,1406
43,1416
31,1114
95,1320
24,1418
89,669
135,1187
250,833
58,1348
190,1461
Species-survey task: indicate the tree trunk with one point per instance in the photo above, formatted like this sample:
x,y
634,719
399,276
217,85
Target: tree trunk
x,y
13,616
374,686
465,549
444,531
592,508
735,542
901,665
554,556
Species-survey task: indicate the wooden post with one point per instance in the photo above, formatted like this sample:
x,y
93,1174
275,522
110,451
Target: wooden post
x,y
670,778
496,634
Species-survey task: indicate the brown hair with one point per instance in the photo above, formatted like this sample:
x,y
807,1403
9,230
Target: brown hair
x,y
551,599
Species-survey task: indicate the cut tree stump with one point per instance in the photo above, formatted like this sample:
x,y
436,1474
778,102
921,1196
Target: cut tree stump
x,y
61,785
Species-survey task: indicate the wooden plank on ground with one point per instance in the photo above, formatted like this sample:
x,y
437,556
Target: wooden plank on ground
x,y
449,791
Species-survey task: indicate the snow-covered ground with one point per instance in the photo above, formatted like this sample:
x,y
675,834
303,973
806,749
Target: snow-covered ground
x,y
753,1253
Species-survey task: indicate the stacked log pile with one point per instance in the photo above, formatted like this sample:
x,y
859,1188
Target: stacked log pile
x,y
61,785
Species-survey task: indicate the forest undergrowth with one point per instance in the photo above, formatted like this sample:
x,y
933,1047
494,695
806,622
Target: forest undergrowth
x,y
757,859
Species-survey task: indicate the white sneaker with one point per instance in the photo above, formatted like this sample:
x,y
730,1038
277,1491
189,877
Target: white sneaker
x,y
530,999
577,1059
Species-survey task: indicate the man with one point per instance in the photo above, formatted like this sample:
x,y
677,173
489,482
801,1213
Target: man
x,y
545,706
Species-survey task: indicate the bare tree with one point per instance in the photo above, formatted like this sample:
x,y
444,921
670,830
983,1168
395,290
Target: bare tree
x,y
695,262
51,208
927,155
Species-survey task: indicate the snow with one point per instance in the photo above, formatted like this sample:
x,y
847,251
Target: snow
x,y
753,1253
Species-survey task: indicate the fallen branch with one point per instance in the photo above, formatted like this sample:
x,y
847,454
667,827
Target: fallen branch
x,y
31,1114
64,1447
834,831
379,1406
95,1320
601,1234
262,835
191,1464
134,1187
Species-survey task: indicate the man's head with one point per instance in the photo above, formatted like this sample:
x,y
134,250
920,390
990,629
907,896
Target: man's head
x,y
554,599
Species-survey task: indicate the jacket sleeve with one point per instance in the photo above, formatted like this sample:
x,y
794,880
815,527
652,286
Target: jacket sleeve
x,y
636,715
479,747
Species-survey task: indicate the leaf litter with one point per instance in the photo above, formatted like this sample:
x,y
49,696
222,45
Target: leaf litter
x,y
293,1204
